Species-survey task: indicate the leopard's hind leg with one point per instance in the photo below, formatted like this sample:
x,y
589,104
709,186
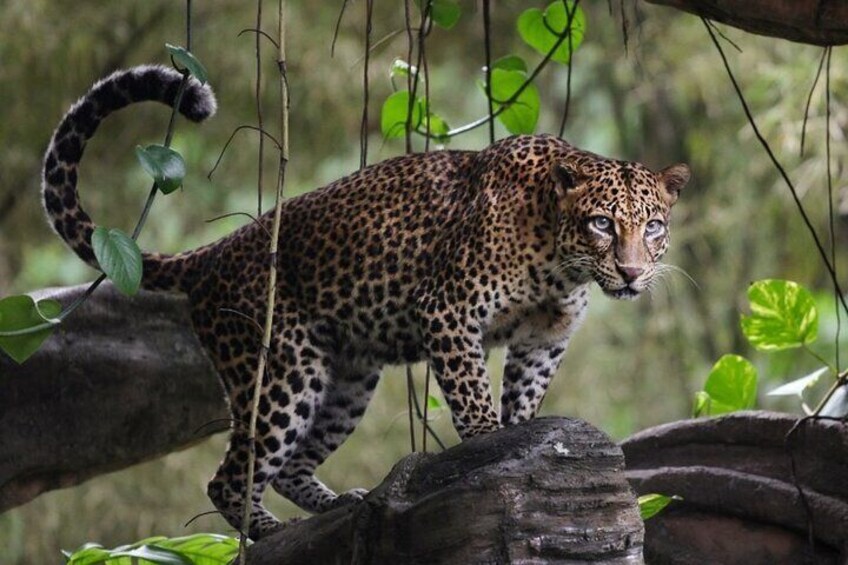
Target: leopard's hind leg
x,y
292,394
346,400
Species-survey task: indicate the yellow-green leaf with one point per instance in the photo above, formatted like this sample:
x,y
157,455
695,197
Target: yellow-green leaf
x,y
652,504
731,386
783,315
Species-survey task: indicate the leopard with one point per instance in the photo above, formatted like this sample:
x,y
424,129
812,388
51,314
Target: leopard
x,y
436,257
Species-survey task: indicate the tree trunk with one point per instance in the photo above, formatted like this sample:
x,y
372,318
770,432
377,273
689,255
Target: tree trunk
x,y
819,22
122,381
548,490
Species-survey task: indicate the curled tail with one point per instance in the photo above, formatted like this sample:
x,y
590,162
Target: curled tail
x,y
59,179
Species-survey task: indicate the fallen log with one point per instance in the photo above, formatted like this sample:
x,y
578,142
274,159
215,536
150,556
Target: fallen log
x,y
548,490
122,381
742,481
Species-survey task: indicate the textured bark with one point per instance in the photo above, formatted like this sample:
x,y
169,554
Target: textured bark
x,y
819,22
123,380
549,490
740,498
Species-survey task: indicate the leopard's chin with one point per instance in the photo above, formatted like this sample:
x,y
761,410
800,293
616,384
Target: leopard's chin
x,y
623,293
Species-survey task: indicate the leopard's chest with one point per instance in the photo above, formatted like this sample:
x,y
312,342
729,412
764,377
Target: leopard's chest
x,y
538,323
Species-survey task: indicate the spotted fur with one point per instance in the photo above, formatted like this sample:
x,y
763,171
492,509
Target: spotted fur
x,y
436,257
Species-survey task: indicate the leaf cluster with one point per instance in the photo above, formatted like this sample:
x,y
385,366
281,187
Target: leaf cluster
x,y
555,33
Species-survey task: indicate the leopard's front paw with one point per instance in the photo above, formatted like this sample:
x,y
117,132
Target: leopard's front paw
x,y
486,427
352,496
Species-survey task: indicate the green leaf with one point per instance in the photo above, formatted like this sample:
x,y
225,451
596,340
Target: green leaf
x,y
510,63
203,549
188,61
119,258
433,403
197,549
154,554
438,127
445,13
701,405
783,315
798,386
541,30
522,115
394,114
20,313
652,504
731,385
165,165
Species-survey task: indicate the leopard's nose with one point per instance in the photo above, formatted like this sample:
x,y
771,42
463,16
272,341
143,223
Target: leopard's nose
x,y
630,272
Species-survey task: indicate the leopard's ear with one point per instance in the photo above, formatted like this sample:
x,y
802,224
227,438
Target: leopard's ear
x,y
674,178
567,177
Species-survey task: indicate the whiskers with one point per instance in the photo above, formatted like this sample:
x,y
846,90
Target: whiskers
x,y
582,264
662,273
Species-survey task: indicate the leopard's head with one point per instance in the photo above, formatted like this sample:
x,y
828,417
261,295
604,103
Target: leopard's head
x,y
613,221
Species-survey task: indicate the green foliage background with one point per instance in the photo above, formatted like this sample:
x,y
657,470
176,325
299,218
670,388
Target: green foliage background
x,y
661,98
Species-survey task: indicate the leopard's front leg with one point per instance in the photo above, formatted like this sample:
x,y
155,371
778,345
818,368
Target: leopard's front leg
x,y
532,363
454,347
527,374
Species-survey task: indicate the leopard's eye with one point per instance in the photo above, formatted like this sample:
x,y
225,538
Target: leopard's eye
x,y
654,228
601,224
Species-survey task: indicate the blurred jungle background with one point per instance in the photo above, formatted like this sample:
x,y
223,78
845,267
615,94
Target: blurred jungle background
x,y
647,85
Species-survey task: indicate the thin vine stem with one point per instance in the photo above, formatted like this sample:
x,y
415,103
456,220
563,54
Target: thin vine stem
x,y
258,100
272,279
410,393
807,222
515,95
487,42
571,14
831,214
407,12
810,99
363,127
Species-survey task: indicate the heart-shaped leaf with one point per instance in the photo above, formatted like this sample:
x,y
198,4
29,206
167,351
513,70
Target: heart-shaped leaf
x,y
393,116
783,315
522,115
731,385
22,312
119,258
165,165
185,58
445,13
541,30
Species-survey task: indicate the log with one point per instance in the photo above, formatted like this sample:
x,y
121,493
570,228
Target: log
x,y
548,490
741,502
817,22
122,381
